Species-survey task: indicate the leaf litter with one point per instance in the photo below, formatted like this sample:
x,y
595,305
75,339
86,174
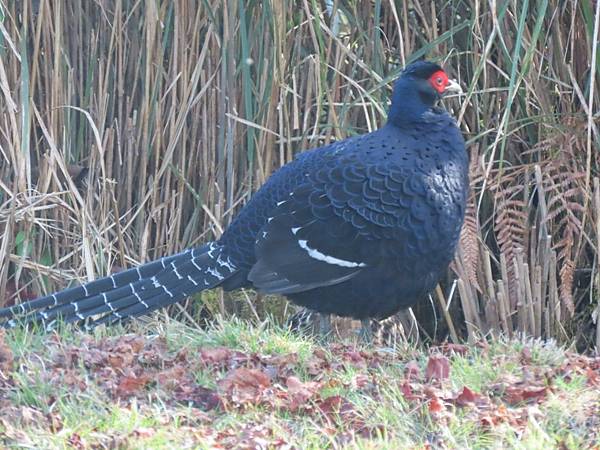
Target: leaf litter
x,y
134,369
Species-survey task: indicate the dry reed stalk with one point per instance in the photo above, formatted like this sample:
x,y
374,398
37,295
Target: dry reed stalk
x,y
174,112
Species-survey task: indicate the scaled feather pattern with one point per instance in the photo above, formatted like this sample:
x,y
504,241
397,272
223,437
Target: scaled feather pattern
x,y
362,228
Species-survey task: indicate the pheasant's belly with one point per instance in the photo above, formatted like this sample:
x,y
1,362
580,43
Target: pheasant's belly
x,y
371,294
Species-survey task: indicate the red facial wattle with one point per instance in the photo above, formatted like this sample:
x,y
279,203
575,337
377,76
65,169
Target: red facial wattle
x,y
439,81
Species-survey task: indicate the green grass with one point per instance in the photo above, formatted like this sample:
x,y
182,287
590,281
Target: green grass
x,y
44,405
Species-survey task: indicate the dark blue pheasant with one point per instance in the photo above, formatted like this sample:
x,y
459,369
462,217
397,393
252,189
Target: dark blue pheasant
x,y
363,227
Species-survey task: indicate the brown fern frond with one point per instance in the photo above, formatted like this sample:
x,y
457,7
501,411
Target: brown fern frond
x,y
469,234
511,235
511,225
563,185
511,221
469,245
570,209
567,273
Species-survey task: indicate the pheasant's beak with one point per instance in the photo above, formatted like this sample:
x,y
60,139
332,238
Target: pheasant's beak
x,y
453,87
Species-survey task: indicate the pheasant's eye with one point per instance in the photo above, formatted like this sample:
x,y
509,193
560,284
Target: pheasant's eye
x,y
439,81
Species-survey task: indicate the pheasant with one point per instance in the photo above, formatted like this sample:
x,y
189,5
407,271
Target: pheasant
x,y
363,227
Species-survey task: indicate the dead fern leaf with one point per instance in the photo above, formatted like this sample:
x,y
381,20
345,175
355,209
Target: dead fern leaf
x,y
469,246
563,185
469,234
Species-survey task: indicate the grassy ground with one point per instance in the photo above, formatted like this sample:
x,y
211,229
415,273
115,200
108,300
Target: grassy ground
x,y
165,385
130,130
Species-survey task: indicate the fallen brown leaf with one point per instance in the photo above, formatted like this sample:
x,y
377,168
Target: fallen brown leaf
x,y
498,415
593,377
144,432
75,441
361,380
198,396
407,392
155,353
438,368
436,406
356,359
318,363
252,436
331,404
336,408
468,397
215,355
412,370
518,394
6,357
299,393
449,348
172,377
24,416
525,356
245,386
130,384
281,365
128,344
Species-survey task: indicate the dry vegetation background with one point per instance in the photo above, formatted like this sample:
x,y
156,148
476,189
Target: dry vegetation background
x,y
132,129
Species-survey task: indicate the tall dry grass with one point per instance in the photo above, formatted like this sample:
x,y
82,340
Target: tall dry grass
x,y
130,129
